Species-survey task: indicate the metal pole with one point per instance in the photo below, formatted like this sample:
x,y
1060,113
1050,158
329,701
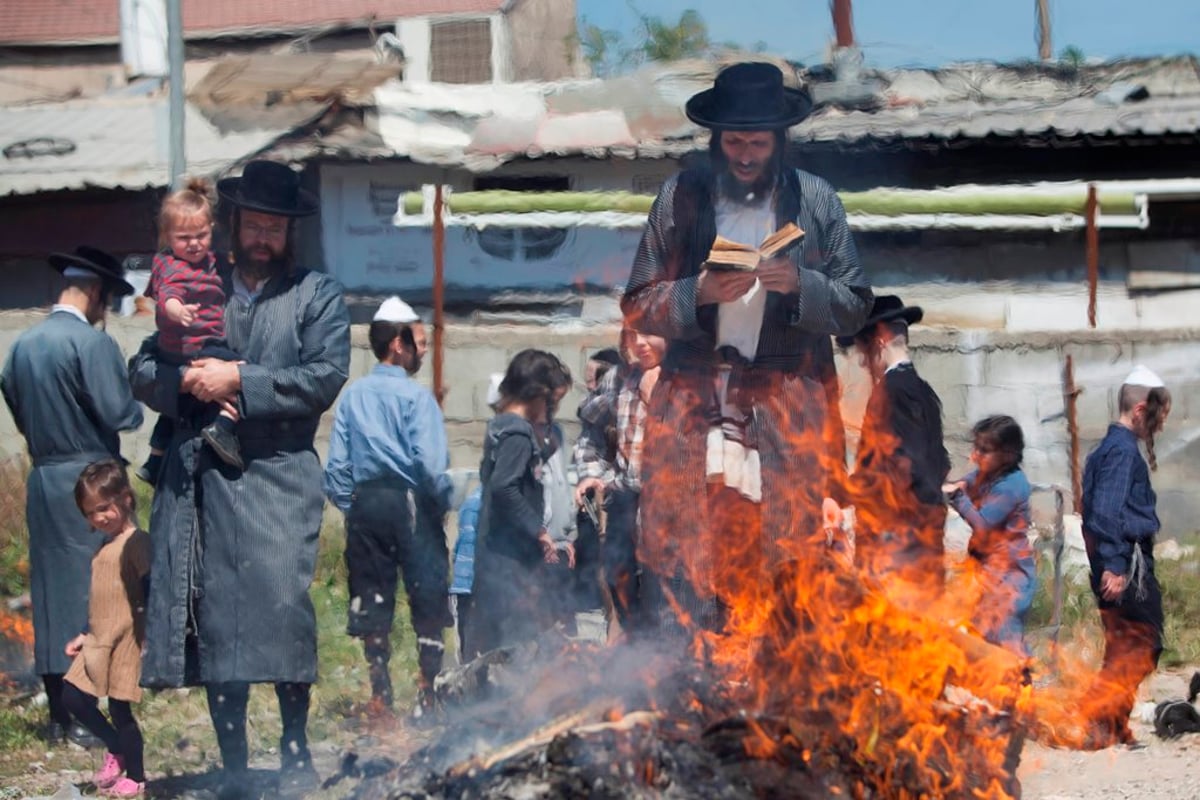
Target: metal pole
x,y
439,291
1093,251
176,110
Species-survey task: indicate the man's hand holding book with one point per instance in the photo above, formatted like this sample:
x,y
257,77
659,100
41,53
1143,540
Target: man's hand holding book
x,y
732,268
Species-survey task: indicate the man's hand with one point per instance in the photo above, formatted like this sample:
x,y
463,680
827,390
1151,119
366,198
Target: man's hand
x,y
210,379
1112,586
588,484
549,551
831,514
778,274
723,286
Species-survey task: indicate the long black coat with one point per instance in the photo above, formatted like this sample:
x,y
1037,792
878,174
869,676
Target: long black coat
x,y
66,386
235,550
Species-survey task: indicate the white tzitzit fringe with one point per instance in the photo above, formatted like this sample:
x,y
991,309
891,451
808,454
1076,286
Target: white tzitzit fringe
x,y
1137,574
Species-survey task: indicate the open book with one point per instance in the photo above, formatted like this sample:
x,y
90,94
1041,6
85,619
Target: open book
x,y
726,254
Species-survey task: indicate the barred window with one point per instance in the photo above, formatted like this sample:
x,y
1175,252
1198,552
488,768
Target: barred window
x,y
460,51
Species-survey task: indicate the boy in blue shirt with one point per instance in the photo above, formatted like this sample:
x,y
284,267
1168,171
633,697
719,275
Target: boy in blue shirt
x,y
1119,525
388,457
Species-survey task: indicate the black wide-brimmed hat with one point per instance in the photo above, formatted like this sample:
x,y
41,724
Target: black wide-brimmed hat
x,y
270,188
103,265
749,97
887,307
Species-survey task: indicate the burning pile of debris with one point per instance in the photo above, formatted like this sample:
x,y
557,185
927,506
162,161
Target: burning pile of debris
x,y
837,693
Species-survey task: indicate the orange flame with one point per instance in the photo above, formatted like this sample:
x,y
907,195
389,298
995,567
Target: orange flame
x,y
874,659
16,628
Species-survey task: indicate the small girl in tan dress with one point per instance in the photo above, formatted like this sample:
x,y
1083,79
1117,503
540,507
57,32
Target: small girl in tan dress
x,y
108,655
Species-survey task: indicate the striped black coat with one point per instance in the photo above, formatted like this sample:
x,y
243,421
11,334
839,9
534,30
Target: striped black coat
x,y
794,418
235,551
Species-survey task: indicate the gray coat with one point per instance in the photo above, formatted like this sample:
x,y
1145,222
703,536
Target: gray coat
x,y
66,386
234,551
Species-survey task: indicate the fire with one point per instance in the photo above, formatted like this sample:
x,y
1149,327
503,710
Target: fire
x,y
880,667
16,628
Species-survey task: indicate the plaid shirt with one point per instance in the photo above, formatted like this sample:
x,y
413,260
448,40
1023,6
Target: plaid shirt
x,y
172,277
616,406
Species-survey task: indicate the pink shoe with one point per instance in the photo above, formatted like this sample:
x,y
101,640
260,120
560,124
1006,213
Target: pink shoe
x,y
108,774
126,787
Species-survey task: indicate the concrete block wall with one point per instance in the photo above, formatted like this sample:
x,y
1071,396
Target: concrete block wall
x,y
975,372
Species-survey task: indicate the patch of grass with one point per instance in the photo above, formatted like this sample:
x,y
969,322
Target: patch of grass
x,y
14,538
175,723
1180,582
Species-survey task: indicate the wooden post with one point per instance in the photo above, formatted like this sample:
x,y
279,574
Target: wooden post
x,y
439,292
1070,393
1045,46
843,23
1093,251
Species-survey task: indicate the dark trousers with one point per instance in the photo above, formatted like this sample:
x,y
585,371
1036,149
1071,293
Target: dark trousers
x,y
200,414
588,561
620,556
1132,645
227,708
53,682
389,531
121,736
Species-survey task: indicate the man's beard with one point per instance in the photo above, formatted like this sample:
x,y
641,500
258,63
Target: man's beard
x,y
256,270
746,193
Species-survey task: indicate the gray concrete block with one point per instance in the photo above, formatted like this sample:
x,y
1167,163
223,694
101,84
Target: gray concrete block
x,y
1023,368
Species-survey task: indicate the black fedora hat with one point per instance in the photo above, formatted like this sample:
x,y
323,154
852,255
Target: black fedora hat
x,y
749,97
103,265
271,188
887,307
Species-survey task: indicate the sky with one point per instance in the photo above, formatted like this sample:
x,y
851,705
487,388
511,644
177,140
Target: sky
x,y
929,32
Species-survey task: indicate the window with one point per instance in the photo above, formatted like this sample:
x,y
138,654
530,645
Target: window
x,y
522,244
460,51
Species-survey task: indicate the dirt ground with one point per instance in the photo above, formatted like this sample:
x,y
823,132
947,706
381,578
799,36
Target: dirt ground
x,y
1163,770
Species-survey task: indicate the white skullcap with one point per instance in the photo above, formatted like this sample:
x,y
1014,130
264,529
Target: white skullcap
x,y
1143,376
396,310
493,392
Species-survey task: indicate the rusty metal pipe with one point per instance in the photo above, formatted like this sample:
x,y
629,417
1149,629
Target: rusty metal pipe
x,y
439,293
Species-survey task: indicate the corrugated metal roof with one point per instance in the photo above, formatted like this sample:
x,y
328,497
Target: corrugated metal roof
x,y
641,115
117,143
94,21
980,100
480,127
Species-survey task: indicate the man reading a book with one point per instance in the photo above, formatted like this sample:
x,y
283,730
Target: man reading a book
x,y
744,438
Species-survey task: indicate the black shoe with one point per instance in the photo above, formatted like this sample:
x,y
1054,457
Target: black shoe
x,y
77,734
224,443
235,785
298,781
55,733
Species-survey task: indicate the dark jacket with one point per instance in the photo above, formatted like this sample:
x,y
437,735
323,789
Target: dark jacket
x,y
66,385
235,551
514,500
902,441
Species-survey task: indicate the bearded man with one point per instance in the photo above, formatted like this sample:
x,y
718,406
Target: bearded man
x,y
235,550
744,415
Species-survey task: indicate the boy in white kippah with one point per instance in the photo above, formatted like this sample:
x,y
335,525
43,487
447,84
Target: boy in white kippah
x,y
1119,525
386,469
